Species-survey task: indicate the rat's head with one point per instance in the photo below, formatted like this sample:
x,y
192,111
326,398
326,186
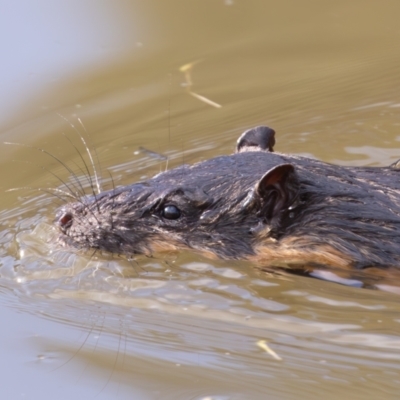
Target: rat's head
x,y
219,207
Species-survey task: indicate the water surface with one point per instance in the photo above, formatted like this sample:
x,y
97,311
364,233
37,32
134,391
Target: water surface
x,y
324,75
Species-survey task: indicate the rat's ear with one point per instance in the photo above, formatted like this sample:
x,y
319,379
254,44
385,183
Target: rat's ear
x,y
258,138
275,178
277,188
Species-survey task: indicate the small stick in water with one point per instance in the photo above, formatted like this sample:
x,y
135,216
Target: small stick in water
x,y
263,344
186,70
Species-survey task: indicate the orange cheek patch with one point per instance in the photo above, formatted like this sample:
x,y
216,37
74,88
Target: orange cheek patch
x,y
389,276
163,246
286,251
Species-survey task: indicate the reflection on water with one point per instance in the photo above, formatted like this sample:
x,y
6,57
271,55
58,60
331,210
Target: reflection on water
x,y
194,317
324,75
45,44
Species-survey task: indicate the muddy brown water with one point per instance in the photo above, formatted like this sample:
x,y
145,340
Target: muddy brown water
x,y
324,74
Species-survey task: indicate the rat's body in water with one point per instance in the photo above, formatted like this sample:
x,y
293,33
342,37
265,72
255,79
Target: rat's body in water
x,y
255,205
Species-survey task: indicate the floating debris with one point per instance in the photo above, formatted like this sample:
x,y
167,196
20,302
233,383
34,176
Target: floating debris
x,y
186,69
263,344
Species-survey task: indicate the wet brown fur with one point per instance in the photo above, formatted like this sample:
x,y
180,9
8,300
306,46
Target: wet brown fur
x,y
256,205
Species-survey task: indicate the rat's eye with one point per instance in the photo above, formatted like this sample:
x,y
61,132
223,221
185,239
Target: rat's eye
x,y
171,212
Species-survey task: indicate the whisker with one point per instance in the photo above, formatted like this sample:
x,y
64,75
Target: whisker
x,y
113,199
132,261
82,172
45,190
55,158
114,365
166,165
86,167
87,150
97,337
90,331
169,108
94,149
125,336
52,173
112,180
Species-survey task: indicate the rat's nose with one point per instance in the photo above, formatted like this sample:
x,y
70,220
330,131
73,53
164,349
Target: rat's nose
x,y
65,221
